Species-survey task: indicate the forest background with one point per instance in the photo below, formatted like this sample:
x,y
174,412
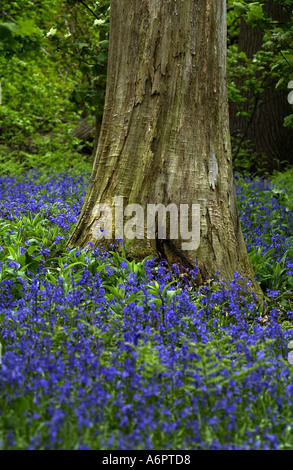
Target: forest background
x,y
53,72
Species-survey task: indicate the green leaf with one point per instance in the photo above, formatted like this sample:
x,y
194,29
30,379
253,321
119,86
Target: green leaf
x,y
117,308
27,27
81,45
239,8
280,83
171,293
104,44
99,22
255,12
52,32
167,286
157,303
11,27
52,278
11,251
102,57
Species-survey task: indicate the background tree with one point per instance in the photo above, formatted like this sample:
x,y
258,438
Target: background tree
x,y
261,72
165,131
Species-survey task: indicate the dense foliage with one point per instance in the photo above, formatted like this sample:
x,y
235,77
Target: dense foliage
x,y
271,65
52,74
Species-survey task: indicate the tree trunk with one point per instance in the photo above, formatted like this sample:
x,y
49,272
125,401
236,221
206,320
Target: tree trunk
x,y
165,132
270,140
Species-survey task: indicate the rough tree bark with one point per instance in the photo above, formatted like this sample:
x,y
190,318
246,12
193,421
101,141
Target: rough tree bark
x,y
165,131
265,130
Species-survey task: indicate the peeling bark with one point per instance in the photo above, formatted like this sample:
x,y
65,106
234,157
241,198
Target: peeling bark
x,y
165,132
